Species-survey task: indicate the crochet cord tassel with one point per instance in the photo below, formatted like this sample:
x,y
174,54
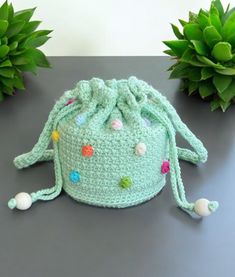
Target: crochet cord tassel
x,y
23,201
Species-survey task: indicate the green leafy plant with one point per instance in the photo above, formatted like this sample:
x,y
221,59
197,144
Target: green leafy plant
x,y
205,55
19,40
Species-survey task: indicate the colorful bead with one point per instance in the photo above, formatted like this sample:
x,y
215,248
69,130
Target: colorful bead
x,y
125,182
117,124
55,135
87,151
165,167
80,119
70,101
74,176
140,149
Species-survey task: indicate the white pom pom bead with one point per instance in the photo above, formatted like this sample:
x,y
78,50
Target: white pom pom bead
x,y
140,149
23,201
201,207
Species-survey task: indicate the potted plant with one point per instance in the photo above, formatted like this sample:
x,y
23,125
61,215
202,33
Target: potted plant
x,y
19,40
205,55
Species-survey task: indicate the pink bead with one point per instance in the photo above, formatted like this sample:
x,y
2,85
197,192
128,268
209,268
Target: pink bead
x,y
117,124
70,101
165,167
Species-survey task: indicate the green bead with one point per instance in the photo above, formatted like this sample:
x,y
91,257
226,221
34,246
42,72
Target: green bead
x,y
125,182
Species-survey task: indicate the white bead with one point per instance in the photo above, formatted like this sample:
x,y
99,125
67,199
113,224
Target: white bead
x,y
201,207
23,201
140,149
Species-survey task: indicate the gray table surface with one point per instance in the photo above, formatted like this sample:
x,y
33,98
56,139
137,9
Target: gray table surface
x,y
67,238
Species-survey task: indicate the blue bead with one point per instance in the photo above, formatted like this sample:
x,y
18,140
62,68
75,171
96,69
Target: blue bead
x,y
80,119
74,176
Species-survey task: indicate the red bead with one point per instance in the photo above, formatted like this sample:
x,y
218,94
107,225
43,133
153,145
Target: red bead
x,y
87,151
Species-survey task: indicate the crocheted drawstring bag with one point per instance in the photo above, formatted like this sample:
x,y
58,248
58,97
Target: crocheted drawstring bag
x,y
113,143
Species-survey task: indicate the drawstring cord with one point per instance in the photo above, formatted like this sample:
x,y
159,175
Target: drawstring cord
x,y
39,153
175,173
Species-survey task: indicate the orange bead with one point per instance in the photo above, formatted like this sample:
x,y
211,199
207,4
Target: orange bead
x,y
87,151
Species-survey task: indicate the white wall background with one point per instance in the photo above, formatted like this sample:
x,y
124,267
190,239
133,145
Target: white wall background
x,y
110,27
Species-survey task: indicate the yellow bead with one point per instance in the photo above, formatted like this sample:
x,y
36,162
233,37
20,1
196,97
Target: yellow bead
x,y
55,136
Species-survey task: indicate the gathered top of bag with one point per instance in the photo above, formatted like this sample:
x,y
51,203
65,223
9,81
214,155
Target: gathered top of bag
x,y
113,144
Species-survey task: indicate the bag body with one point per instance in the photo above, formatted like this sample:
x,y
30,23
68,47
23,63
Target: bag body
x,y
113,143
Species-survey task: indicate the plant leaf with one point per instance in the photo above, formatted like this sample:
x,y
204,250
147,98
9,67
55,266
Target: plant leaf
x,y
206,89
207,72
219,7
7,90
200,47
4,49
20,59
192,86
229,26
224,105
4,11
177,46
203,20
30,67
3,27
6,63
227,94
31,26
169,52
192,17
10,12
194,74
226,71
211,36
13,45
177,31
193,32
222,51
208,62
182,22
214,18
215,104
180,70
36,42
38,57
7,72
24,15
15,28
189,57
7,82
221,82
18,82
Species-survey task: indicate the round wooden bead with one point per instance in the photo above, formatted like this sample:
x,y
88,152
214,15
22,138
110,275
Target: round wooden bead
x,y
201,207
23,201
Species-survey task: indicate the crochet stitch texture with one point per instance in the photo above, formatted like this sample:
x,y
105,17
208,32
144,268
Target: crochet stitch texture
x,y
114,142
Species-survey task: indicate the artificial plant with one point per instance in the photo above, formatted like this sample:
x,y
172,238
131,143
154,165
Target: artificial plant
x,y
205,54
19,40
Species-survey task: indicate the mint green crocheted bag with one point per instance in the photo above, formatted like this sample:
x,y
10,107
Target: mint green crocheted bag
x,y
114,142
